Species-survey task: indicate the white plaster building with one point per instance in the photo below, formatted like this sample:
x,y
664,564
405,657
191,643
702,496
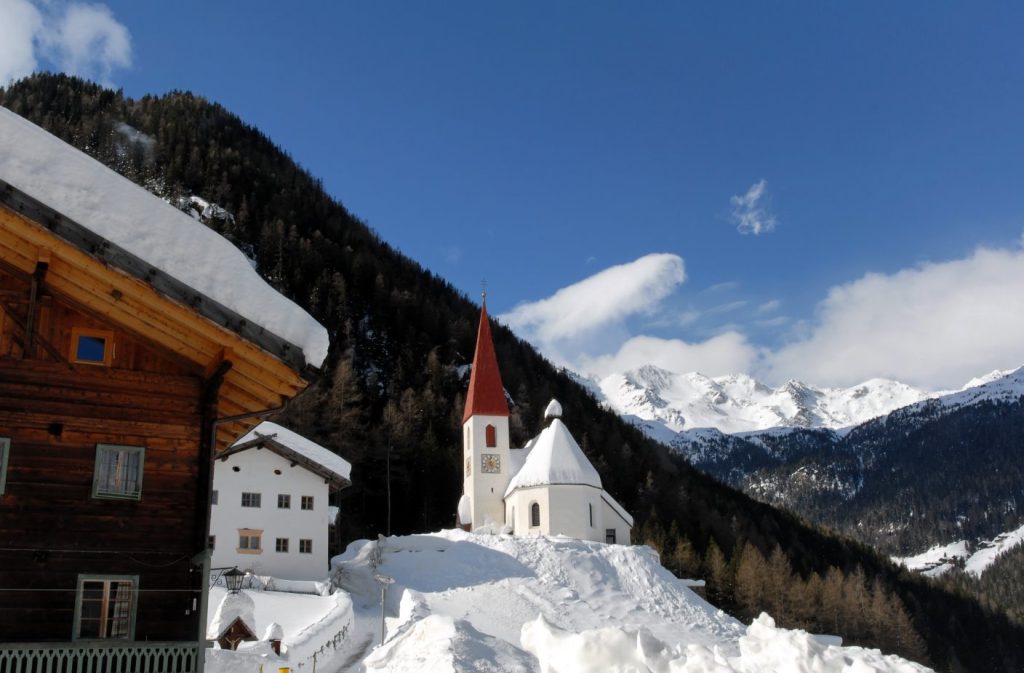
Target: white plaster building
x,y
270,512
548,487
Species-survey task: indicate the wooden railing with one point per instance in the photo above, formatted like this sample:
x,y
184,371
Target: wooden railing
x,y
93,657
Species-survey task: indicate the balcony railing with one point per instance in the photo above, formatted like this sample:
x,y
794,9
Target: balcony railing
x,y
93,657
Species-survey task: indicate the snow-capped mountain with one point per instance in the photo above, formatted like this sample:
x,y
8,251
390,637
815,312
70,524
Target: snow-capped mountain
x,y
665,403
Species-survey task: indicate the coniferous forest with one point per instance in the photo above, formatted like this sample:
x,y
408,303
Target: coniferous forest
x,y
390,395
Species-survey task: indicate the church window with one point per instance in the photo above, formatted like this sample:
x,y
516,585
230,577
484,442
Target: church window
x,y
534,515
469,466
590,506
609,535
491,435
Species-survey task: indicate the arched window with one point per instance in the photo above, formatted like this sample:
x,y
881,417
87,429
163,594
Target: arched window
x,y
534,515
491,435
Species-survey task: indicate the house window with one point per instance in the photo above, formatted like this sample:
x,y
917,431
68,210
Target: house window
x,y
213,497
249,541
118,472
590,506
105,606
92,346
211,542
284,501
609,535
307,502
534,515
305,546
250,500
281,545
491,435
5,449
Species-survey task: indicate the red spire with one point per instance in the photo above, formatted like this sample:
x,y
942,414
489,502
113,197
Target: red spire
x,y
486,395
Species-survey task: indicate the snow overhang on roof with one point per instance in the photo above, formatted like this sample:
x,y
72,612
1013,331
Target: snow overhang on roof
x,y
293,446
111,218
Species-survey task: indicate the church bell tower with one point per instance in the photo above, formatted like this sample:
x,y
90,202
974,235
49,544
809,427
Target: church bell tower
x,y
485,438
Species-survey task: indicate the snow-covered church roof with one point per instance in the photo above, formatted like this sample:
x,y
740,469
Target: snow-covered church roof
x,y
116,209
555,458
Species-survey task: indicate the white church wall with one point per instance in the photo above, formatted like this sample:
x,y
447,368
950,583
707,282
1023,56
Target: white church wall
x,y
565,509
265,472
485,489
612,520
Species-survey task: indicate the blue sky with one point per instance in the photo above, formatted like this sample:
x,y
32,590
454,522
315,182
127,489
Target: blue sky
x,y
539,145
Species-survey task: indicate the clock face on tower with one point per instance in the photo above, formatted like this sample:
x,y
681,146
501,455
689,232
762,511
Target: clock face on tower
x,y
490,463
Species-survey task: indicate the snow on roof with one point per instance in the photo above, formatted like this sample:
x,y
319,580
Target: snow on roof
x,y
299,444
556,458
553,410
234,606
115,208
273,632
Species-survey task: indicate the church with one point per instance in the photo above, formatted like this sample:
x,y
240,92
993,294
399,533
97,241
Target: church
x,y
548,487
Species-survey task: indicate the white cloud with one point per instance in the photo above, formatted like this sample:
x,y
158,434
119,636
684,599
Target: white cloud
x,y
749,213
935,325
76,38
769,306
20,22
728,307
723,354
608,296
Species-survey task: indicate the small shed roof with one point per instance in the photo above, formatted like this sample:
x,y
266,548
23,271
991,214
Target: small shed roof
x,y
233,606
293,446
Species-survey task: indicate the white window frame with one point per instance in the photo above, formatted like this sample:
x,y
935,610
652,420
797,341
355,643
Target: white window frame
x,y
307,543
118,493
258,499
5,452
107,581
277,545
286,499
310,500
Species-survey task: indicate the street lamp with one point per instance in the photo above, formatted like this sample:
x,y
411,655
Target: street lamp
x,y
233,579
384,581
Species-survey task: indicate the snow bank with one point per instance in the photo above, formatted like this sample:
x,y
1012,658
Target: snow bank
x,y
84,190
763,649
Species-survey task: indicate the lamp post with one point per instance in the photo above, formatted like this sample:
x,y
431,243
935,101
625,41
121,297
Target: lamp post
x,y
384,581
233,579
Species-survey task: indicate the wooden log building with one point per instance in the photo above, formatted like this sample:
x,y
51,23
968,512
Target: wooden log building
x,y
118,383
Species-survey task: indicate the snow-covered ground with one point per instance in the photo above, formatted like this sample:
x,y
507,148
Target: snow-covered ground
x,y
941,558
493,603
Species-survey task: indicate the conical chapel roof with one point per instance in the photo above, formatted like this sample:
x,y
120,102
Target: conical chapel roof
x,y
555,458
486,394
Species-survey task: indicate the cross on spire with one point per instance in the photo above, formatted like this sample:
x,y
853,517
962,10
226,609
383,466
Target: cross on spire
x,y
483,290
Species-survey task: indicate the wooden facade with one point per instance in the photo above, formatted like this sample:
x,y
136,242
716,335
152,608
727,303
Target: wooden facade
x,y
173,378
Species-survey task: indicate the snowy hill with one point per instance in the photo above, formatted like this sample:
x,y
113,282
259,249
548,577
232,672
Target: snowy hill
x,y
941,558
665,403
465,602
